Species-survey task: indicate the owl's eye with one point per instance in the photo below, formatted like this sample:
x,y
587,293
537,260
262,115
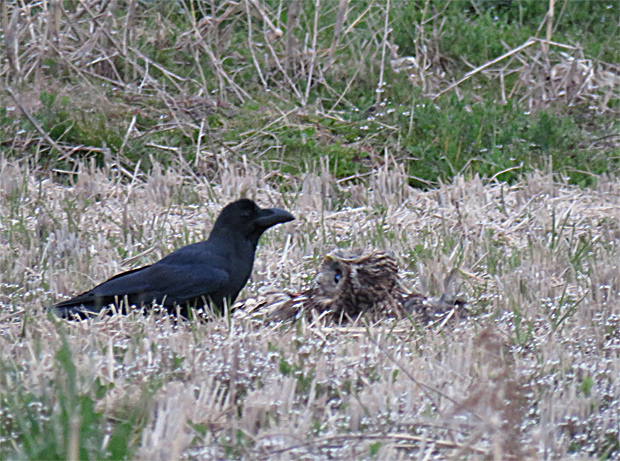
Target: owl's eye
x,y
337,278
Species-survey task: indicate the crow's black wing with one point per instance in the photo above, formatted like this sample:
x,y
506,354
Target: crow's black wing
x,y
166,282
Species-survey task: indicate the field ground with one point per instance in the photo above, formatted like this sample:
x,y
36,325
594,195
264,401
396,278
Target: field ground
x,y
533,372
476,138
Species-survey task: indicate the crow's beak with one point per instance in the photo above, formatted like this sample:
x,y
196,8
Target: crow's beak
x,y
268,217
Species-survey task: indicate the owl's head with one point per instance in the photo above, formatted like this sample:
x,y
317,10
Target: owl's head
x,y
353,280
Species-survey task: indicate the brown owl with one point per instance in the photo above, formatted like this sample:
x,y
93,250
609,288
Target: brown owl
x,y
352,283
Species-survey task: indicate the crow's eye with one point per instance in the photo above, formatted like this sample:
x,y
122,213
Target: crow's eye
x,y
337,278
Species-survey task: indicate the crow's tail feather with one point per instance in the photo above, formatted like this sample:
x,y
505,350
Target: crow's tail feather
x,y
72,311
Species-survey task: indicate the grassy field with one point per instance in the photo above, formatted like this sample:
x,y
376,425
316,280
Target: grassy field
x,y
477,137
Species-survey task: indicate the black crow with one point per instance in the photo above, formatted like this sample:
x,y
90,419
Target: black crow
x,y
213,271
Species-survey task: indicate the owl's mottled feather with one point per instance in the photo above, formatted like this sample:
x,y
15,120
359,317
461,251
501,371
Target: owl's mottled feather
x,y
354,283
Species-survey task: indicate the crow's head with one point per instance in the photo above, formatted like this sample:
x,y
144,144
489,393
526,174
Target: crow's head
x,y
244,218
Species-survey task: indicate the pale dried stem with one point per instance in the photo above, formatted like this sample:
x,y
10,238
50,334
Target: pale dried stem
x,y
549,17
315,36
10,38
341,17
292,21
128,34
251,47
359,18
384,44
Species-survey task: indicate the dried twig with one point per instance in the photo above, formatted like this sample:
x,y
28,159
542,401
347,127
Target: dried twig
x,y
315,34
36,124
341,17
386,32
469,74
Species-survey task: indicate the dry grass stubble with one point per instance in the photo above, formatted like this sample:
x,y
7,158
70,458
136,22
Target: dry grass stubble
x,y
532,373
